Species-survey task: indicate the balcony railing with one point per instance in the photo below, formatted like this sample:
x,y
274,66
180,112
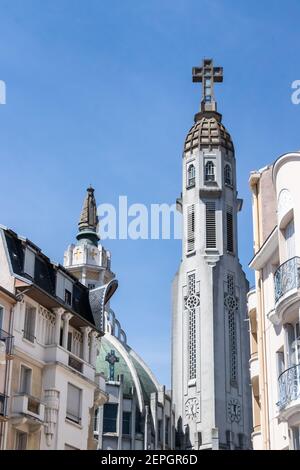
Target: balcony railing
x,y
287,277
289,386
3,405
75,363
27,334
8,340
33,405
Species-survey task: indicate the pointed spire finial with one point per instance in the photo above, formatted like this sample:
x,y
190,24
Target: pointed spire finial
x,y
88,221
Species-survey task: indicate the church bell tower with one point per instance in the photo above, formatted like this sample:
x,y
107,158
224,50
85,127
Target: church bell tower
x,y
210,341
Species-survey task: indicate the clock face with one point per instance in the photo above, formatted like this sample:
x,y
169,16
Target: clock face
x,y
234,410
192,408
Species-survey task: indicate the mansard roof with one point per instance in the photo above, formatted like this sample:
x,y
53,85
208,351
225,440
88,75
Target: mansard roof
x,y
43,281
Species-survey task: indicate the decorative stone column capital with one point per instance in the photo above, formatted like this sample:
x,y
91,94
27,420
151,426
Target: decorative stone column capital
x,y
67,316
59,311
86,330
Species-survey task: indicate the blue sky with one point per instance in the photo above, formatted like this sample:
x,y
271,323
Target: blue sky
x,y
101,92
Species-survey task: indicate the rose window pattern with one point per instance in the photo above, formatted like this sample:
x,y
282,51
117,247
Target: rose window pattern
x,y
191,303
231,307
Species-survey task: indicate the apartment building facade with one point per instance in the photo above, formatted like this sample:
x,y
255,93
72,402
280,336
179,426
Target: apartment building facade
x,y
274,305
51,389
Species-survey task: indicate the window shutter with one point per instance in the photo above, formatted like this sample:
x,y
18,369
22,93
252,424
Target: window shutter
x,y
191,228
74,403
211,239
229,229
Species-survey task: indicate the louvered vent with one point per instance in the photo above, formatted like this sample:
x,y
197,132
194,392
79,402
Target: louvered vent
x,y
211,241
229,229
191,228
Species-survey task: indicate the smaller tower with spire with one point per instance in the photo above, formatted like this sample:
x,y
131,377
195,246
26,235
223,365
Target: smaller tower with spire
x,y
87,259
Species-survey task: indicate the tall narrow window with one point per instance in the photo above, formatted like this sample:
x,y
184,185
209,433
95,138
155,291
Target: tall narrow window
x,y
231,306
167,430
191,228
192,302
227,175
1,317
211,239
74,403
25,380
293,337
209,171
138,421
229,229
126,422
110,414
29,323
191,176
21,440
289,235
296,437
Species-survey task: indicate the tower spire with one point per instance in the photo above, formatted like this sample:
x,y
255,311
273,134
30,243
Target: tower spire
x,y
208,75
88,221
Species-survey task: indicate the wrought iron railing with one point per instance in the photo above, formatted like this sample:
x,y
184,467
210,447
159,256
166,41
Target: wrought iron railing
x,y
287,277
289,386
8,340
3,405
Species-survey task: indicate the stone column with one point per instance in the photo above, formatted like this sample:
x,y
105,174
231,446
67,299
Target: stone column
x,y
58,315
66,319
85,349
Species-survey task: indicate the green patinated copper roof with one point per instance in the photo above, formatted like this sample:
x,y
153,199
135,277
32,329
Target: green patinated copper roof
x,y
121,367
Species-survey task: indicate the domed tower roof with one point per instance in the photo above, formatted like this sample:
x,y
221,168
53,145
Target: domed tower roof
x,y
208,130
136,374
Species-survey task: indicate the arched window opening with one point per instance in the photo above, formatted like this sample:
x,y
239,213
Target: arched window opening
x,y
209,171
227,175
191,179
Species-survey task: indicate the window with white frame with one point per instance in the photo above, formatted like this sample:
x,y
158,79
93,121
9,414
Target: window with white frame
x,y
74,403
25,380
210,171
29,323
191,176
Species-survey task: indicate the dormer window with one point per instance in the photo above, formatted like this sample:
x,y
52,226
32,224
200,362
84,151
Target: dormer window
x,y
68,297
210,172
191,176
227,175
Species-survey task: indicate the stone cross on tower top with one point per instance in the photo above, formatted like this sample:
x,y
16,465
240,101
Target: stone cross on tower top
x,y
208,75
